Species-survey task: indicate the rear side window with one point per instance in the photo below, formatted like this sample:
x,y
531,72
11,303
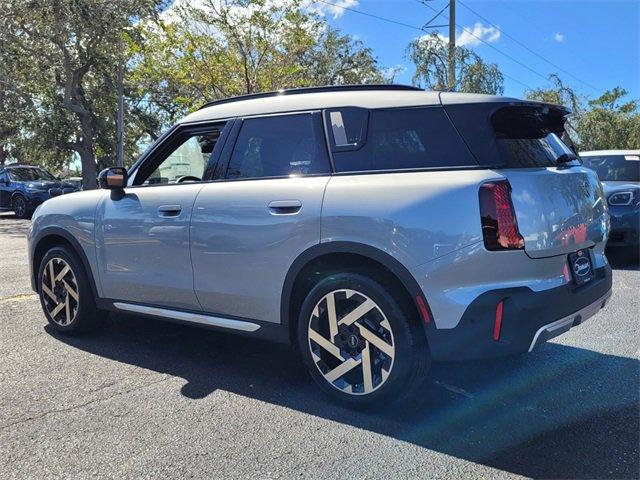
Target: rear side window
x,y
279,146
396,139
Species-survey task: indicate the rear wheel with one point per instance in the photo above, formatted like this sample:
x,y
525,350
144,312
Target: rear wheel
x,y
65,292
20,207
359,343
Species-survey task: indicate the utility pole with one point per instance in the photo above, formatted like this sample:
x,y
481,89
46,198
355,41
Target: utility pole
x,y
452,44
120,115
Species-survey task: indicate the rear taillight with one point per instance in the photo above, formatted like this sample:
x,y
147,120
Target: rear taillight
x,y
499,225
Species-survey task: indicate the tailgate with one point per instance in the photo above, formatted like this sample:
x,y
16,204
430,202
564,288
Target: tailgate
x,y
558,204
559,210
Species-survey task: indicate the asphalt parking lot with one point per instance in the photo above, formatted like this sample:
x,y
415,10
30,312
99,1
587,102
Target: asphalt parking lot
x,y
143,399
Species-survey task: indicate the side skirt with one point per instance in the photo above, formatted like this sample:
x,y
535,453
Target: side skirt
x,y
247,327
188,317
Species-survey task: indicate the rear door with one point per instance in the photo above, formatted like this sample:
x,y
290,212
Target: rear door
x,y
248,227
559,204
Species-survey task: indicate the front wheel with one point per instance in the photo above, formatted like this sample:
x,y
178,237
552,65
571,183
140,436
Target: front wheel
x,y
65,293
359,343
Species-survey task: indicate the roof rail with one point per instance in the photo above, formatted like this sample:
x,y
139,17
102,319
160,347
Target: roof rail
x,y
301,90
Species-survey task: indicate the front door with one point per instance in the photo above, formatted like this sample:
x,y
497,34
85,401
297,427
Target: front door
x,y
249,227
143,235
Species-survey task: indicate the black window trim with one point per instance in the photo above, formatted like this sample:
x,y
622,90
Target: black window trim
x,y
171,140
319,131
331,143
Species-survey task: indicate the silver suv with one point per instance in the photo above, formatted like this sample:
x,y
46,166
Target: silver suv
x,y
375,228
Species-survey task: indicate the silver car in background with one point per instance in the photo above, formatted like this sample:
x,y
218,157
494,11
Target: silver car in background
x,y
374,228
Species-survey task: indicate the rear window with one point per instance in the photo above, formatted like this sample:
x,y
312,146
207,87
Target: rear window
x,y
616,168
395,139
529,137
532,152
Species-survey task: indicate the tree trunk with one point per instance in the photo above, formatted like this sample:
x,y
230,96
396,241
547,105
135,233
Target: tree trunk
x,y
87,157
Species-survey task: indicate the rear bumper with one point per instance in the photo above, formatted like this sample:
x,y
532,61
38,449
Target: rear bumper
x,y
529,319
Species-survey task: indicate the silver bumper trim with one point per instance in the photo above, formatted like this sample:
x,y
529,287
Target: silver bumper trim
x,y
565,323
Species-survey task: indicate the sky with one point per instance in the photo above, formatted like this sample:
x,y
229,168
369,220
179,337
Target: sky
x,y
596,42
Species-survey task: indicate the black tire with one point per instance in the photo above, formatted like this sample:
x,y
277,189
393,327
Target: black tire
x,y
84,315
20,207
410,360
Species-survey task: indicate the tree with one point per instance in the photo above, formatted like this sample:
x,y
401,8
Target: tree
x,y
71,47
222,48
430,55
561,94
599,124
610,124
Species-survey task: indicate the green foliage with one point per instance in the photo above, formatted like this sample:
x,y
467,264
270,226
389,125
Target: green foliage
x,y
600,124
430,55
561,94
610,124
219,49
66,53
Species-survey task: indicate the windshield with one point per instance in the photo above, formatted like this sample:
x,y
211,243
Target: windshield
x,y
615,168
29,174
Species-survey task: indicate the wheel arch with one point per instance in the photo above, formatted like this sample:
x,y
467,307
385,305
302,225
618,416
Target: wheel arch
x,y
18,193
353,256
52,237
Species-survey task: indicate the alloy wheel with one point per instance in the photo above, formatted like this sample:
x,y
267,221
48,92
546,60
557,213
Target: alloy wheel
x,y
59,291
19,207
351,342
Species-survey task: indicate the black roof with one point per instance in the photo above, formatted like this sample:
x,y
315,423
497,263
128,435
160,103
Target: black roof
x,y
301,90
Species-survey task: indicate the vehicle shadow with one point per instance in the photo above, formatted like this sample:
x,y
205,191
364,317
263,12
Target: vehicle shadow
x,y
12,226
560,412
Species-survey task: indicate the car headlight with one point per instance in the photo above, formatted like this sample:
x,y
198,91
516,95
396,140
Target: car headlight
x,y
620,199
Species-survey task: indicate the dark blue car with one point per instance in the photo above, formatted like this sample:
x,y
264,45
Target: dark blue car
x,y
619,172
24,187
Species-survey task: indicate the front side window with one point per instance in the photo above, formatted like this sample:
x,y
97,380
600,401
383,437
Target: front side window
x,y
29,174
617,168
396,139
278,146
184,160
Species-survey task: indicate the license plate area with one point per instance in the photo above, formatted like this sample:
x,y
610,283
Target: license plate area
x,y
581,266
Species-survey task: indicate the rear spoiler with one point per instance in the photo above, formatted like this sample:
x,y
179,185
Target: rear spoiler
x,y
483,117
529,120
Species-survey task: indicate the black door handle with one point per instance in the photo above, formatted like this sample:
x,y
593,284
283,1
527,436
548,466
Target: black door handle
x,y
285,207
169,210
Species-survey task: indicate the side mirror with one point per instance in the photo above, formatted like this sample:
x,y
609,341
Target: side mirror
x,y
113,178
